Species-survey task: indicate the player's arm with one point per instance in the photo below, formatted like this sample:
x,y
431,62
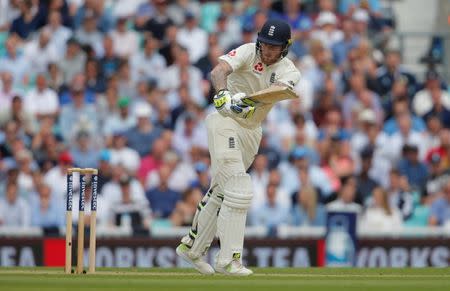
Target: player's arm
x,y
224,102
219,75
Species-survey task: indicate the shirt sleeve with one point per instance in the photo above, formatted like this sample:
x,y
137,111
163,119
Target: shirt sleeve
x,y
239,57
290,78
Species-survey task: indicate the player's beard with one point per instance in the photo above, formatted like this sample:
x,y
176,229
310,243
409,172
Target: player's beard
x,y
269,58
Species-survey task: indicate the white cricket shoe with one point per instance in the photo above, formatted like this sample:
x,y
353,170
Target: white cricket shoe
x,y
235,268
199,264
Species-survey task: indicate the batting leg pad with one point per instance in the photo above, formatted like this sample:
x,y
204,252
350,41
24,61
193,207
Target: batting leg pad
x,y
204,225
238,195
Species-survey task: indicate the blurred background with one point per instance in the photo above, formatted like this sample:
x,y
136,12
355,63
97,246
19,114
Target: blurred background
x,y
124,87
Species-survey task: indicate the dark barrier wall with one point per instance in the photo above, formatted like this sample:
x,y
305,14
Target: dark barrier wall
x,y
135,252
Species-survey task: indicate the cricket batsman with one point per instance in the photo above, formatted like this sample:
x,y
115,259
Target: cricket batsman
x,y
234,134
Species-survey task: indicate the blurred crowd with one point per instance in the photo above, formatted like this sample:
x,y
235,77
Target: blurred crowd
x,y
123,86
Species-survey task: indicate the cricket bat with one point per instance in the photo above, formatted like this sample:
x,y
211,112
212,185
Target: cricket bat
x,y
272,94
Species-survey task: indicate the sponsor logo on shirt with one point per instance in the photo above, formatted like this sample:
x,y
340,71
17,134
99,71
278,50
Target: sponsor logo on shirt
x,y
232,53
272,78
258,68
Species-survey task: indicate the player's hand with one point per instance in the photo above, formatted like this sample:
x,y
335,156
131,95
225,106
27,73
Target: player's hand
x,y
241,106
221,100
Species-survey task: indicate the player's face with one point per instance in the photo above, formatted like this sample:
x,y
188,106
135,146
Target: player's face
x,y
270,54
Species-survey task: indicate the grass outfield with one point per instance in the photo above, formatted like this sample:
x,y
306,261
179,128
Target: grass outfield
x,y
264,279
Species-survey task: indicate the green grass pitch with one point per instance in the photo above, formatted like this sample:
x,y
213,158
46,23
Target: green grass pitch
x,y
305,279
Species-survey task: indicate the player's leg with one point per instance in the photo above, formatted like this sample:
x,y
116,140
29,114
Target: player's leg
x,y
204,226
195,244
238,192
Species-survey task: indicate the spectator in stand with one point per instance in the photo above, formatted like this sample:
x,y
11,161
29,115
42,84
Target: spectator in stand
x,y
411,167
89,35
83,151
193,38
125,41
123,155
78,113
346,197
163,199
47,210
185,209
308,211
104,16
350,40
73,62
59,34
121,122
56,177
158,24
149,63
142,136
380,215
28,21
42,101
272,213
39,53
6,90
17,113
260,177
14,62
438,176
400,109
203,179
128,204
182,72
326,29
152,161
400,194
440,208
365,183
392,71
433,100
14,210
188,133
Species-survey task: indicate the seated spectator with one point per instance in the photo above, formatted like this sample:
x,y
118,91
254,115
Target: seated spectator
x,y
148,64
56,176
127,210
326,29
438,176
152,161
14,62
401,108
7,91
399,194
73,62
391,71
122,121
40,52
88,34
83,151
47,210
185,209
203,179
14,210
260,177
366,184
142,136
17,113
163,199
28,21
380,215
181,173
308,211
189,132
411,167
432,100
346,197
440,209
77,114
123,155
193,37
272,213
42,101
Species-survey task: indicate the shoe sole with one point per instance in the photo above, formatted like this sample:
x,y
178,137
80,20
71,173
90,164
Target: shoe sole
x,y
187,259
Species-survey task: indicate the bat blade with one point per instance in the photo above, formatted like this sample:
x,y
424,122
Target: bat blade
x,y
272,95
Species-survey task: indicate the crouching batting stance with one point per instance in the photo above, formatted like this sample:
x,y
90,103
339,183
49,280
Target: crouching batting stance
x,y
234,134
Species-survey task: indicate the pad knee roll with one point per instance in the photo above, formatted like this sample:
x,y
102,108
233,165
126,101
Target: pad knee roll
x,y
238,192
